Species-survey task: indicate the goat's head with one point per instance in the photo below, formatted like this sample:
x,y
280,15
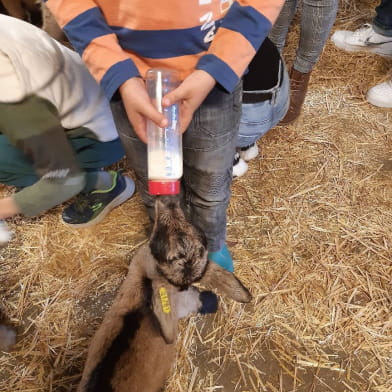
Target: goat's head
x,y
178,247
180,252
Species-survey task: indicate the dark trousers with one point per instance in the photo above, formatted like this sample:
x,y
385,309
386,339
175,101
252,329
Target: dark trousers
x,y
382,23
16,168
317,19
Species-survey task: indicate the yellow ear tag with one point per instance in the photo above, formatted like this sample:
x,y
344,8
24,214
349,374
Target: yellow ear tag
x,y
164,300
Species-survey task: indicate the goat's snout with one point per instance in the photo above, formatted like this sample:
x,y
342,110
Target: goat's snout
x,y
168,202
177,246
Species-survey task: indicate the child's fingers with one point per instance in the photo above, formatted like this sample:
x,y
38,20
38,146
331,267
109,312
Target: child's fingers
x,y
173,97
139,126
151,113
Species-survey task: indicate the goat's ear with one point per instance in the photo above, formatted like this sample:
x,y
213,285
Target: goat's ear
x,y
163,306
225,282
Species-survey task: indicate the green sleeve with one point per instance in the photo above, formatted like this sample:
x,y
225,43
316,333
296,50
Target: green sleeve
x,y
30,117
34,127
48,193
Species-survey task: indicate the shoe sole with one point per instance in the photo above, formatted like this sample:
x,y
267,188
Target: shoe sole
x,y
365,49
123,196
379,104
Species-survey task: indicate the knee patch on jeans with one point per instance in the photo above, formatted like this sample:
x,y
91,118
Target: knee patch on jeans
x,y
208,188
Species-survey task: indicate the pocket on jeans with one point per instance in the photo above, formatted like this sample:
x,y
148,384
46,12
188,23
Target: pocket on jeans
x,y
127,136
215,123
255,120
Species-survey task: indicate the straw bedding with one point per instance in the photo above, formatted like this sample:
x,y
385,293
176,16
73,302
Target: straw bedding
x,y
310,229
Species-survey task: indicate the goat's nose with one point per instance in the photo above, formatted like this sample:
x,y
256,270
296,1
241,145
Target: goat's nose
x,y
169,201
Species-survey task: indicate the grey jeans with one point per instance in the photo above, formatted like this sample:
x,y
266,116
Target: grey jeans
x,y
317,19
209,146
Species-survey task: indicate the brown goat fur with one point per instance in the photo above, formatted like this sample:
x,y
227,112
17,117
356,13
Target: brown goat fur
x,y
139,365
133,350
178,247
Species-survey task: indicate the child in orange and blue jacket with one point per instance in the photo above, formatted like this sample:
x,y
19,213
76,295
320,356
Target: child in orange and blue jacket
x,y
210,43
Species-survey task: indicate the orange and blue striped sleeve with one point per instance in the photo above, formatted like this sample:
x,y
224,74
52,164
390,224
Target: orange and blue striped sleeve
x,y
243,30
86,28
119,39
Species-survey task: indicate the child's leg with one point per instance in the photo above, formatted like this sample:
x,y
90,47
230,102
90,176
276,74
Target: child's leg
x,y
94,155
209,146
15,168
281,27
51,166
317,19
104,190
33,126
382,23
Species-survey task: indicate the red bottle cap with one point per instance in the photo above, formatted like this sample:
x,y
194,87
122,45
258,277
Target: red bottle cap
x,y
164,187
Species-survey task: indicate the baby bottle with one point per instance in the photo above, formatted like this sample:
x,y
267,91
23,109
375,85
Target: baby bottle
x,y
164,145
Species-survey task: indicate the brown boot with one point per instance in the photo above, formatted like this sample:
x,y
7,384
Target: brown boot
x,y
298,85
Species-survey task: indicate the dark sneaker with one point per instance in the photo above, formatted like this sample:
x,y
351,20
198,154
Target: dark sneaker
x,y
90,208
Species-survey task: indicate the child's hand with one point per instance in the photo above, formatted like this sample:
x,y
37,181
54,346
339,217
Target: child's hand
x,y
139,107
8,207
5,237
190,94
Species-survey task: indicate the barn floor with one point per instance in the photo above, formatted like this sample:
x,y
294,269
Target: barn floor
x,y
310,228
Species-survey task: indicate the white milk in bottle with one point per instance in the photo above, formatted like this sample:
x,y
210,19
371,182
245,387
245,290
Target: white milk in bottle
x,y
164,145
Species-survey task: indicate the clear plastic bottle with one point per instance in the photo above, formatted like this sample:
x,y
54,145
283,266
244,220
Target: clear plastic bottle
x,y
164,145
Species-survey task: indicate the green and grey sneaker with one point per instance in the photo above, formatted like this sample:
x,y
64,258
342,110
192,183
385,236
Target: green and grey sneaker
x,y
90,208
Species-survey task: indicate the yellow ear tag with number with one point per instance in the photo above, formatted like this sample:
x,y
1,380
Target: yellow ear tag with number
x,y
164,300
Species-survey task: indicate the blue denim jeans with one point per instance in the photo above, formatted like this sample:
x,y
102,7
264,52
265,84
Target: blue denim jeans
x,y
208,150
258,118
382,23
317,19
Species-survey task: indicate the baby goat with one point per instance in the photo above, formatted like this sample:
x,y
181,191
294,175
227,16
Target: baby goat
x,y
134,348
